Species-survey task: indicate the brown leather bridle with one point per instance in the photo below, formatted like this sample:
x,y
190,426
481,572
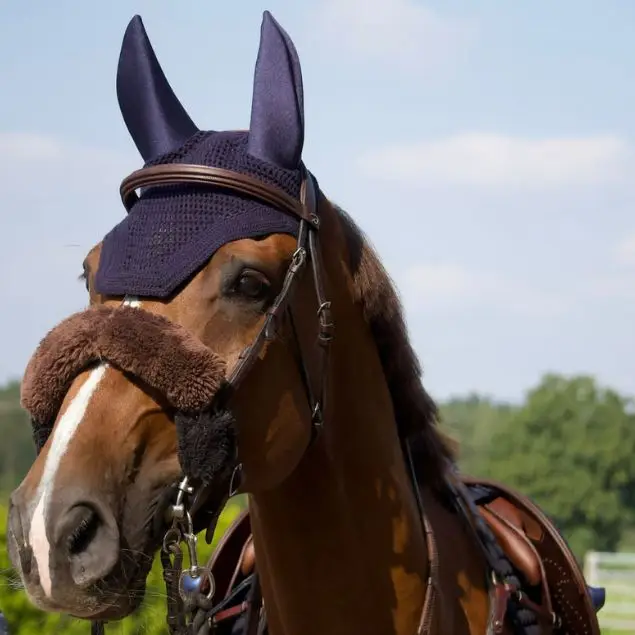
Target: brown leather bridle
x,y
307,252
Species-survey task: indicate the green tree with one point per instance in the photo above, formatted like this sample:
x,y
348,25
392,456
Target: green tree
x,y
571,448
472,421
17,451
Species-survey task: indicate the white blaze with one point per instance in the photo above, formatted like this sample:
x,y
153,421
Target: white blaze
x,y
61,437
60,440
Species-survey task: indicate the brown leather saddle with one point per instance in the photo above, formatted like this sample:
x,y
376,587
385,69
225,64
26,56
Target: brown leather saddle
x,y
527,536
538,551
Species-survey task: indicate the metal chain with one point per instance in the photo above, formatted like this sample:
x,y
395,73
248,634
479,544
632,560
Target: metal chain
x,y
189,590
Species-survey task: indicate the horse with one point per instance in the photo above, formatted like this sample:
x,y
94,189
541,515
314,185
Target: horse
x,y
242,335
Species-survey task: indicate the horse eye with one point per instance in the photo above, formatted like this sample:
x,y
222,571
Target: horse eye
x,y
252,285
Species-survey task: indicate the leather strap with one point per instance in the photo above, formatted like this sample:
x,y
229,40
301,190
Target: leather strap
x,y
426,621
232,611
255,607
188,174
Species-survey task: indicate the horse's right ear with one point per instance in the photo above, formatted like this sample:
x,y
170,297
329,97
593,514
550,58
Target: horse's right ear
x,y
154,116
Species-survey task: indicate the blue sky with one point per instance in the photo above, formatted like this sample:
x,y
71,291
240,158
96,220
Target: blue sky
x,y
485,147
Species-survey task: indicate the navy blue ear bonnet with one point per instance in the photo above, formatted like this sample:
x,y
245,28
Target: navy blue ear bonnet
x,y
174,229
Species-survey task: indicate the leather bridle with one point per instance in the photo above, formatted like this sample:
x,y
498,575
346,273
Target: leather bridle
x,y
199,604
307,252
202,610
186,592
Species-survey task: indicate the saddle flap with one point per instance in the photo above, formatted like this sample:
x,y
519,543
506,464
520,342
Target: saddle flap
x,y
565,584
229,553
515,544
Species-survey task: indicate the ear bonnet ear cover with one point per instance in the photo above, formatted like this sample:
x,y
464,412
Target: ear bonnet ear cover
x,y
193,222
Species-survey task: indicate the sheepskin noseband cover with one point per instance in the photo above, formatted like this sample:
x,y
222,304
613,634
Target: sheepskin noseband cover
x,y
161,354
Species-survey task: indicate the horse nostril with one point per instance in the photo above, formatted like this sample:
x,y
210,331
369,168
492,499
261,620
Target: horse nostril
x,y
85,531
88,536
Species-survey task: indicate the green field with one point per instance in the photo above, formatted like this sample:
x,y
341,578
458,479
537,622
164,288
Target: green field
x,y
619,603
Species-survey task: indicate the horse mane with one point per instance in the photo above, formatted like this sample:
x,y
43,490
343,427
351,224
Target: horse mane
x,y
416,413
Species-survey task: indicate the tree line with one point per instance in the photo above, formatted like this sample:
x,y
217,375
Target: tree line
x,y
570,446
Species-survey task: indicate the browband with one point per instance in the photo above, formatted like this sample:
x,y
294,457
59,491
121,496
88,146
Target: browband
x,y
184,173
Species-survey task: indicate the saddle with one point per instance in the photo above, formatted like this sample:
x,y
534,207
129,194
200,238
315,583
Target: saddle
x,y
528,538
537,550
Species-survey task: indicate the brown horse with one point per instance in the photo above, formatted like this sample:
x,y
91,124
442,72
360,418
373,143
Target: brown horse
x,y
243,332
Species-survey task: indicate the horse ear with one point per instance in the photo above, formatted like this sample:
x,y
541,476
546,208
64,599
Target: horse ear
x,y
276,131
155,118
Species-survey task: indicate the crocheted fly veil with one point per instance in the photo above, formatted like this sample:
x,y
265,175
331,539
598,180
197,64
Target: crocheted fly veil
x,y
173,230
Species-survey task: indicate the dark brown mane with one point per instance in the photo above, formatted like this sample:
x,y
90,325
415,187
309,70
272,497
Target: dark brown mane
x,y
415,410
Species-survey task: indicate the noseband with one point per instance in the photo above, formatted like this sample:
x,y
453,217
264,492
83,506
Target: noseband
x,y
192,589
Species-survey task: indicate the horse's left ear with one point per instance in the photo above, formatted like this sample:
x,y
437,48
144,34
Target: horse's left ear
x,y
276,132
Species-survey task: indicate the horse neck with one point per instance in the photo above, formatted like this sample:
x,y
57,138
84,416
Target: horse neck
x,y
339,543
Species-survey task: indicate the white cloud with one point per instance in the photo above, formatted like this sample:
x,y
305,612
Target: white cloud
x,y
483,160
29,147
58,199
620,287
625,251
446,286
60,163
403,32
64,189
